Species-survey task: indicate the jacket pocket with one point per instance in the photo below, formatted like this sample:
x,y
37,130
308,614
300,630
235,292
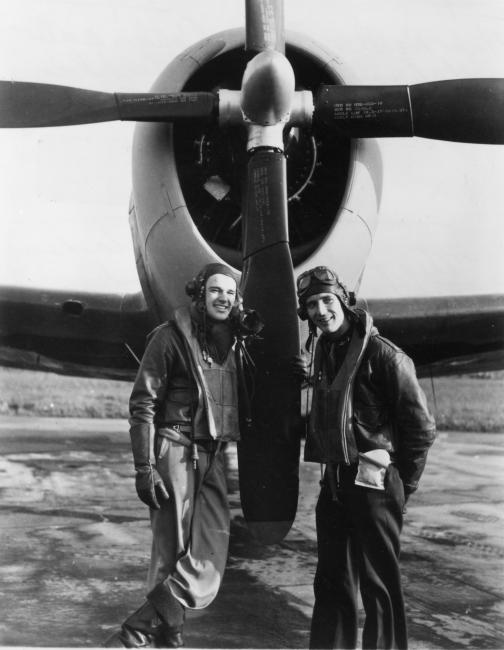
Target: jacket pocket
x,y
371,416
372,423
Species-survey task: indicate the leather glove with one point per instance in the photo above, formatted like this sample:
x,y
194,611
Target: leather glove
x,y
300,367
149,485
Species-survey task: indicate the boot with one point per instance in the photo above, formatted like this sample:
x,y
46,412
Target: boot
x,y
172,615
170,637
140,630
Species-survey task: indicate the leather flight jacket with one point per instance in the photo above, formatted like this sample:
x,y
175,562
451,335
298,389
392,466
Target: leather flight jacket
x,y
172,385
374,402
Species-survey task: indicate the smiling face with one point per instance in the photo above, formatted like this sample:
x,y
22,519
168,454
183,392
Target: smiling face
x,y
326,312
220,296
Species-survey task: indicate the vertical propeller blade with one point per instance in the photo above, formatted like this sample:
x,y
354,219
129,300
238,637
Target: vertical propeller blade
x,y
264,25
268,453
268,273
269,450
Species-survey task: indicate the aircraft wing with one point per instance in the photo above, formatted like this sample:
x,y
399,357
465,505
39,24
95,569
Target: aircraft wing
x,y
445,335
73,333
99,335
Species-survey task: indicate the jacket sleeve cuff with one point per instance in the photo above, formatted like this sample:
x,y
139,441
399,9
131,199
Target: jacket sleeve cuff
x,y
142,443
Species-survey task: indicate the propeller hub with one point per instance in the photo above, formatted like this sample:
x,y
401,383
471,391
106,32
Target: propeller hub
x,y
270,137
267,89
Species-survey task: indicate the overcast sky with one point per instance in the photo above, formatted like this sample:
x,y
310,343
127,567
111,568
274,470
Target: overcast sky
x,y
64,192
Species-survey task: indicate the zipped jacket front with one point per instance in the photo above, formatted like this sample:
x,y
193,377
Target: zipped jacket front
x,y
331,430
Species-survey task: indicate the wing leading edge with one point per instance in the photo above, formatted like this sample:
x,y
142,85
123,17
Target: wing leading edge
x,y
445,335
73,333
99,335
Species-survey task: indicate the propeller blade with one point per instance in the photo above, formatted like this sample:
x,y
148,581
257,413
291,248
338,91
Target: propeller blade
x,y
460,110
266,238
457,110
264,21
25,104
269,486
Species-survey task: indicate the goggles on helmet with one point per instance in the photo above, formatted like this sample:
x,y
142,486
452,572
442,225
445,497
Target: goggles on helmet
x,y
318,275
319,278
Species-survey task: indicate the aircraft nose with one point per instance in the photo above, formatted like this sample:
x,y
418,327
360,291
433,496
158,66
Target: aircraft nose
x,y
267,89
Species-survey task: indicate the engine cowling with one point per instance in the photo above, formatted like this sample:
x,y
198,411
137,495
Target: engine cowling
x,y
186,204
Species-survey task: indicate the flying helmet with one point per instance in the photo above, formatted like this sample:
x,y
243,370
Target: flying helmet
x,y
321,280
195,288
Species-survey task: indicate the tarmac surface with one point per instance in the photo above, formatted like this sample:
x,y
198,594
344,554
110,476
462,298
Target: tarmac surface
x,y
75,543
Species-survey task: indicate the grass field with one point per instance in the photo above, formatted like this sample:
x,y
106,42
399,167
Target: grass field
x,y
463,403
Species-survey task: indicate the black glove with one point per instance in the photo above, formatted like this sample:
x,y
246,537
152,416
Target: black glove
x,y
248,324
150,486
300,367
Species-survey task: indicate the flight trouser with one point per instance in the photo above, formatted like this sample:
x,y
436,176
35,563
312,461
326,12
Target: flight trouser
x,y
358,544
190,532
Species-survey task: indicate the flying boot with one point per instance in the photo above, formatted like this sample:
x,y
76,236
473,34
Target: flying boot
x,y
145,629
172,615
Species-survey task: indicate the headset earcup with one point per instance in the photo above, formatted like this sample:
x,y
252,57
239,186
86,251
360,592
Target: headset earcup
x,y
302,313
191,288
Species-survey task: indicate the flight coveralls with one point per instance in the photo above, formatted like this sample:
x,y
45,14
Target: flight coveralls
x,y
369,400
187,399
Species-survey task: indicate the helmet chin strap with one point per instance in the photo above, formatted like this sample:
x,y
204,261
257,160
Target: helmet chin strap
x,y
310,341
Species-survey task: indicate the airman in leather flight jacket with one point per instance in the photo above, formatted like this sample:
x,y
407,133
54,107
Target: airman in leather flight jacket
x,y
170,387
385,409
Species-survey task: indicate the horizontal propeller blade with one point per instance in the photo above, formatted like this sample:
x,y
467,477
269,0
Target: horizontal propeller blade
x,y
25,104
264,26
458,110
